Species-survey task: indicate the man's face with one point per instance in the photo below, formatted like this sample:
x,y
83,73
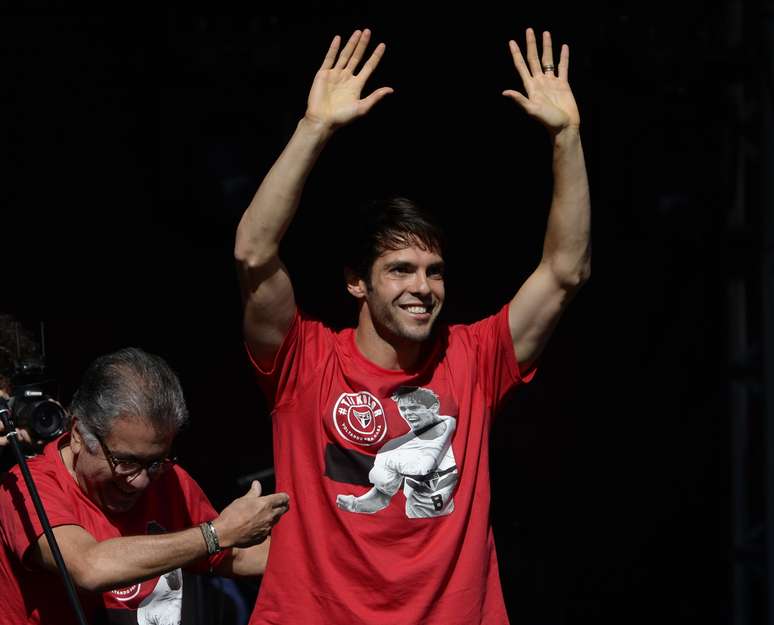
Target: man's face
x,y
417,414
406,292
131,439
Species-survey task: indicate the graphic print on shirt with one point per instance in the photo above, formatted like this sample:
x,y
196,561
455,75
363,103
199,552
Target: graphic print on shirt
x,y
359,418
164,605
157,601
422,460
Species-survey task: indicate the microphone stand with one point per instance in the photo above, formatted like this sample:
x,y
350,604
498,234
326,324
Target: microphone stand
x,y
5,416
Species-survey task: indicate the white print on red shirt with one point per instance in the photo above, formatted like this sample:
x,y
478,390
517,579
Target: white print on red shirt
x,y
422,460
359,418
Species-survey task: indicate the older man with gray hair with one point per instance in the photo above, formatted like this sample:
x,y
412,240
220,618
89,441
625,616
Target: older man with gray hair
x,y
124,514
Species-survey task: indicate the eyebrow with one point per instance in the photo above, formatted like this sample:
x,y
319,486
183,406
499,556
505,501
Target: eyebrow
x,y
400,264
404,264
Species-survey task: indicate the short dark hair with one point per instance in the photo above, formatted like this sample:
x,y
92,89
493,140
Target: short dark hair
x,y
389,224
128,383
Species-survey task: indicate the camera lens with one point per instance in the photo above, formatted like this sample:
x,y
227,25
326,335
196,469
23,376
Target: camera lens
x,y
47,419
42,416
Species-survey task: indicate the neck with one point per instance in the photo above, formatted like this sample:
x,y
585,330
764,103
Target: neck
x,y
383,348
68,458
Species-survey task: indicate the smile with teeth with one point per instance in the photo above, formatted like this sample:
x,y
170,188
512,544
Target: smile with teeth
x,y
417,309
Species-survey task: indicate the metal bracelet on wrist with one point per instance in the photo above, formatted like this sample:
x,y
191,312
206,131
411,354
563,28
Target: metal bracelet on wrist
x,y
210,537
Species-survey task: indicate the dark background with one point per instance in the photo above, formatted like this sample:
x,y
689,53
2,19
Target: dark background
x,y
134,141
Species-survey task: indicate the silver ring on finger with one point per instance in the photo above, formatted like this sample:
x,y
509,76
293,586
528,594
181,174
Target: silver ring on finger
x,y
548,68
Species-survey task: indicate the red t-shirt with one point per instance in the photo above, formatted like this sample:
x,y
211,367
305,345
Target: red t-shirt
x,y
172,502
388,475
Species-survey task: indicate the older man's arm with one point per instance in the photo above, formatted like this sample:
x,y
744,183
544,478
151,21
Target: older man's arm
x,y
104,565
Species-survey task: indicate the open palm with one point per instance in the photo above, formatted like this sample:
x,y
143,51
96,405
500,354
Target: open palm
x,y
334,99
549,98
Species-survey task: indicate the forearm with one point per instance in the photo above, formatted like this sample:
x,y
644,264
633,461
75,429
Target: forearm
x,y
118,562
274,204
245,562
567,244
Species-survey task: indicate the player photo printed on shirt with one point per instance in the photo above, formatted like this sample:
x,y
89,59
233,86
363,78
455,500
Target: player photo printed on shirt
x,y
164,605
160,599
422,460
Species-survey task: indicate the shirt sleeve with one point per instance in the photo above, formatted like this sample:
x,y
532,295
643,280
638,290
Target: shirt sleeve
x,y
304,349
19,523
200,510
497,359
384,478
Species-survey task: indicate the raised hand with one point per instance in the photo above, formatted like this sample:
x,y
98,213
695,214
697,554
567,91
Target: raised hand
x,y
548,97
334,99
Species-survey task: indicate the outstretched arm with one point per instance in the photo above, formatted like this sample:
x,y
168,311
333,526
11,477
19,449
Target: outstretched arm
x,y
566,261
334,101
103,565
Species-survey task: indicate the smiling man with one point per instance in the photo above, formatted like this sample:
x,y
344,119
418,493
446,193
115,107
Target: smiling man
x,y
125,516
399,400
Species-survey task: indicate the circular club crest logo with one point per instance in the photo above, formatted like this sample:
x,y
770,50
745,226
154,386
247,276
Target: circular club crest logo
x,y
359,418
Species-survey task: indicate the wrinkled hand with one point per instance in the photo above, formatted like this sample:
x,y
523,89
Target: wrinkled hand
x,y
549,98
248,520
334,99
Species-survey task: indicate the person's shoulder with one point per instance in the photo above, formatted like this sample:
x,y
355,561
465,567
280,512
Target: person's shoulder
x,y
174,485
457,335
310,324
45,463
475,329
177,477
45,474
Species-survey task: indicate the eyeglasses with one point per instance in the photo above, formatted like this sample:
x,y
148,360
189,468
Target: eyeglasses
x,y
132,468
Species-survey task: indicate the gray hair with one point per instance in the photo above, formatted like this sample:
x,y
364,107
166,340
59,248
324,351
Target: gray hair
x,y
128,383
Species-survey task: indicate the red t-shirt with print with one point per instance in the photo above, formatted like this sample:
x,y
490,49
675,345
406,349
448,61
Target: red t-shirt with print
x,y
170,503
388,475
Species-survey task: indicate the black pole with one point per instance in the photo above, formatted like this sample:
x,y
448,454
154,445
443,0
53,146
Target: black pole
x,y
5,415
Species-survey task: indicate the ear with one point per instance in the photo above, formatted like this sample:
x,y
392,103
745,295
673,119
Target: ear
x,y
355,285
76,441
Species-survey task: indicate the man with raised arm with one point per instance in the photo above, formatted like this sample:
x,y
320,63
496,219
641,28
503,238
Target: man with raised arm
x,y
358,548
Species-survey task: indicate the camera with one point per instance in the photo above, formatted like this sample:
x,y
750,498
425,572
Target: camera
x,y
24,376
43,416
32,404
